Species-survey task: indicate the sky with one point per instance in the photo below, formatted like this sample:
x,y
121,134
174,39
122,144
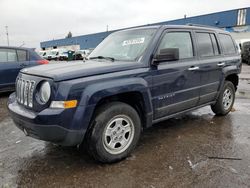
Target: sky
x,y
32,21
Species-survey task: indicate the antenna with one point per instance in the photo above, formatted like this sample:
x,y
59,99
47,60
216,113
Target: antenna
x,y
22,44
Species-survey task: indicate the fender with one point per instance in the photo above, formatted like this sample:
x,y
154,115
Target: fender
x,y
93,93
232,69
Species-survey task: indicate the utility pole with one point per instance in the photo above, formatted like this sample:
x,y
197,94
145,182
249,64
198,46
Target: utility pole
x,y
7,34
107,28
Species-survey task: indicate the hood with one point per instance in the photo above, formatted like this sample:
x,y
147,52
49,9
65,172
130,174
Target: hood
x,y
72,70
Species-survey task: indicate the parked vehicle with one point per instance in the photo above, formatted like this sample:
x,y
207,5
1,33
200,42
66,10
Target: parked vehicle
x,y
133,79
81,55
12,60
56,54
42,53
63,55
245,52
51,54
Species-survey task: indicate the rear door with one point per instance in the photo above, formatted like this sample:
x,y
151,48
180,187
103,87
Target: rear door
x,y
176,83
211,62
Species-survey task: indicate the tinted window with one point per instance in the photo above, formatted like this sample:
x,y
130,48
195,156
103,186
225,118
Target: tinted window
x,y
227,44
8,55
181,40
215,44
205,44
22,55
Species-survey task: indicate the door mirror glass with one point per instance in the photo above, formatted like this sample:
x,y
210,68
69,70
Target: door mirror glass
x,y
167,54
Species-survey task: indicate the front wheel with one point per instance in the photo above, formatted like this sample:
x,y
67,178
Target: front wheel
x,y
225,101
114,132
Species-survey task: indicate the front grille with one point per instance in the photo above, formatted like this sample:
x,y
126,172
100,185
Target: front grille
x,y
24,91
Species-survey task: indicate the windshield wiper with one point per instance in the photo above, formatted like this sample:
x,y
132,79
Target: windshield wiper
x,y
103,57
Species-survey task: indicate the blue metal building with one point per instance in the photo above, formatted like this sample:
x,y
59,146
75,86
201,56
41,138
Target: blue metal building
x,y
237,20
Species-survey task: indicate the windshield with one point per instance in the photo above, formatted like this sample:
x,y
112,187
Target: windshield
x,y
124,46
52,52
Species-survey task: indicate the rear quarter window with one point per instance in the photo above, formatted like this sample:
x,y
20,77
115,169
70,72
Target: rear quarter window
x,y
227,44
22,55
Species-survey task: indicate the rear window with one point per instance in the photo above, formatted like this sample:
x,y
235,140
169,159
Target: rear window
x,y
227,44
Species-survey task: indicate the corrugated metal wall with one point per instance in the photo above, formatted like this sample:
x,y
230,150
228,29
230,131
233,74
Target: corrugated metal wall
x,y
226,19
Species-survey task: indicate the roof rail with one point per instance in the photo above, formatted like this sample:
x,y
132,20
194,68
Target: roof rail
x,y
200,25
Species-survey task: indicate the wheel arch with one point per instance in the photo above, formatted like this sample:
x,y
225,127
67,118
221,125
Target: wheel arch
x,y
234,78
133,91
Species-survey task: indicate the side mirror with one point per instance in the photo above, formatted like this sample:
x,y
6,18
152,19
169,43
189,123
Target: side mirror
x,y
167,54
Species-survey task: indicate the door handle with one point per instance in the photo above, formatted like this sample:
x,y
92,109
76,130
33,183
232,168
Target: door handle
x,y
221,64
193,68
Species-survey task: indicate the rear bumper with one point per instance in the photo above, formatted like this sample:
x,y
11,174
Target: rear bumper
x,y
30,122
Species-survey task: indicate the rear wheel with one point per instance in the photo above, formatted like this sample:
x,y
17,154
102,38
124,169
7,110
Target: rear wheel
x,y
114,132
225,101
248,61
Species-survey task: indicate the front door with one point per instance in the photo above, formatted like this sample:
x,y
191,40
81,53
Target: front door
x,y
9,68
176,83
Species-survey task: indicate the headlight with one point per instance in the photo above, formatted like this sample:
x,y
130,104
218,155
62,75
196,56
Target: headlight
x,y
45,92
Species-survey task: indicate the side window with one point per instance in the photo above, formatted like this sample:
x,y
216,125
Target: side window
x,y
180,40
22,55
204,44
8,55
3,55
12,55
215,44
227,44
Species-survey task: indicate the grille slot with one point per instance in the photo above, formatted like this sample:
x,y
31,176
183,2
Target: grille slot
x,y
24,91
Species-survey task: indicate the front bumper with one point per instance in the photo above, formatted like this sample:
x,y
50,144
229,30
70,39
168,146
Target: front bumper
x,y
43,125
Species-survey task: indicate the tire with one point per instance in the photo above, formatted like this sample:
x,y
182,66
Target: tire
x,y
114,132
225,100
248,62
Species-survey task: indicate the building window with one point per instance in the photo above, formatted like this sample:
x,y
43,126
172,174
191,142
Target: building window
x,y
242,14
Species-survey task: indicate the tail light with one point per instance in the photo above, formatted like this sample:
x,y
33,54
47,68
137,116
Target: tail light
x,y
42,61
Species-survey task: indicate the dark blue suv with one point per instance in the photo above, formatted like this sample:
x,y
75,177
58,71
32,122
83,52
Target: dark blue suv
x,y
133,79
12,60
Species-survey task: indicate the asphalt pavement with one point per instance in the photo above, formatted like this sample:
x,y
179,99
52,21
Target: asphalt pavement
x,y
195,150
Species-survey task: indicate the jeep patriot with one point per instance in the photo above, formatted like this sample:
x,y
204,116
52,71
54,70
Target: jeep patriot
x,y
133,79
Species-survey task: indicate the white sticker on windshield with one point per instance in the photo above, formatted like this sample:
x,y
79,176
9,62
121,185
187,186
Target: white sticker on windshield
x,y
133,41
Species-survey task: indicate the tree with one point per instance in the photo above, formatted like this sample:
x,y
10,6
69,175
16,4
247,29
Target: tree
x,y
69,35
